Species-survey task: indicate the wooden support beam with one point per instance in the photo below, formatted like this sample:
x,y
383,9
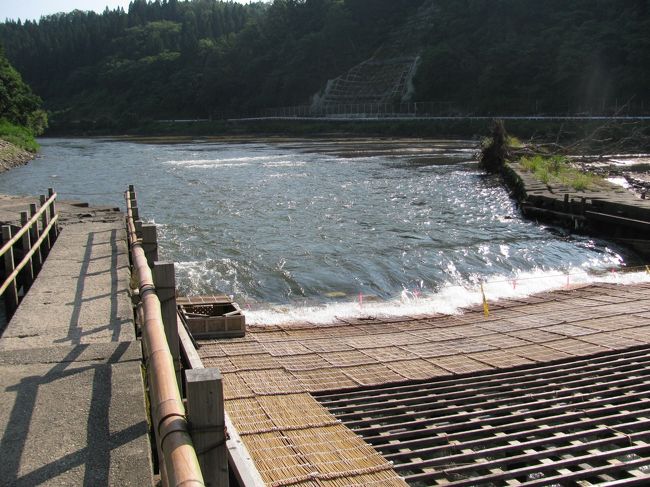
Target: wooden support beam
x,y
28,273
11,294
45,221
164,279
34,234
138,230
150,242
55,229
205,409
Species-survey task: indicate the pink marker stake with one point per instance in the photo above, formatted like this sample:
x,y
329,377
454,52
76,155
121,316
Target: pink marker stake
x,y
567,281
360,300
514,284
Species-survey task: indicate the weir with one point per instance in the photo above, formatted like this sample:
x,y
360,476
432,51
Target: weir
x,y
528,390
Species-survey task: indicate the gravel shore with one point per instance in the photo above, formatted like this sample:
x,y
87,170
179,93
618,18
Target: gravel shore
x,y
12,156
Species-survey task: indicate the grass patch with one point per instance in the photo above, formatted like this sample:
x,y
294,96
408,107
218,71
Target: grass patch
x,y
557,170
19,136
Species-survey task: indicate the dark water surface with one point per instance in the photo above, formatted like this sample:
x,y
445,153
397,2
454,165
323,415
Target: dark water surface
x,y
316,229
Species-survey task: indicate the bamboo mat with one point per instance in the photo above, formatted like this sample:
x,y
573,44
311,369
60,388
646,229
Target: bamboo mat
x,y
270,373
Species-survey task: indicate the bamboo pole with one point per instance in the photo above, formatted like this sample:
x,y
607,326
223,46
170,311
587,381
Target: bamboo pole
x,y
170,424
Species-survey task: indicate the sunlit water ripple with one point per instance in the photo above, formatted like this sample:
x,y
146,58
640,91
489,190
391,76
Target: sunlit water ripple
x,y
314,230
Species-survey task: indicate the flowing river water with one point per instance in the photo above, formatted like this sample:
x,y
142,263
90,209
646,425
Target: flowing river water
x,y
312,230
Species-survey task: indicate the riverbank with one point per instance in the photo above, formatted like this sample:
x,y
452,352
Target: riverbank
x,y
607,211
13,156
635,133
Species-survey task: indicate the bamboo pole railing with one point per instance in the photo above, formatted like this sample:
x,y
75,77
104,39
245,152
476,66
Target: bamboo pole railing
x,y
44,239
179,464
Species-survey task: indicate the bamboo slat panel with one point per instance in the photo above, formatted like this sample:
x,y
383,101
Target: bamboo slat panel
x,y
269,376
535,335
347,359
389,354
235,387
500,359
257,361
430,349
350,455
222,363
501,340
382,340
248,415
611,340
276,459
609,323
569,330
373,374
327,345
576,347
468,345
282,411
312,361
323,379
539,353
459,364
417,369
271,381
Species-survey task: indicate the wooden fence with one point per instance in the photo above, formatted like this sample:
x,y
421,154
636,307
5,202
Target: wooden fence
x,y
30,243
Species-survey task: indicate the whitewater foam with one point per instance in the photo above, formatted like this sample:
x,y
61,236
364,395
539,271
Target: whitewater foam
x,y
448,299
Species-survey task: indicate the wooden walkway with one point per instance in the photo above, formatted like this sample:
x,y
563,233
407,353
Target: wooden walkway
x,y
271,376
72,406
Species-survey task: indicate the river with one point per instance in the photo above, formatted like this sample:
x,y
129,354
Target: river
x,y
312,230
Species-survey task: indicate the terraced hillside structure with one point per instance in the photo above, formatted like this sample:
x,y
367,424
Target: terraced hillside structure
x,y
374,81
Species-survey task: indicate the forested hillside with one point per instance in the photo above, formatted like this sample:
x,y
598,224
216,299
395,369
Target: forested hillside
x,y
21,117
538,56
203,58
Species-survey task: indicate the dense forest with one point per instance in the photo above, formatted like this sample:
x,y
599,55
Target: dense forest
x,y
205,58
21,116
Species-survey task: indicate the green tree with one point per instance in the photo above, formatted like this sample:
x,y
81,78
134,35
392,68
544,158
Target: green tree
x,y
18,105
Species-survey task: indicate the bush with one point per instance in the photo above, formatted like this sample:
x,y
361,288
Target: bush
x,y
495,153
17,135
556,169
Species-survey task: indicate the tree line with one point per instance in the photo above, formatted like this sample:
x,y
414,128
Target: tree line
x,y
202,58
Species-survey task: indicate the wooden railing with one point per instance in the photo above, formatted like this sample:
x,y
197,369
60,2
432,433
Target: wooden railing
x,y
178,461
33,243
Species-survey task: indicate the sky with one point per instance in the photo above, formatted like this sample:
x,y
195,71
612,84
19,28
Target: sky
x,y
34,9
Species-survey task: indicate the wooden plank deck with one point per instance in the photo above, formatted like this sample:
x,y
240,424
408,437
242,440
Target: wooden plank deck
x,y
270,375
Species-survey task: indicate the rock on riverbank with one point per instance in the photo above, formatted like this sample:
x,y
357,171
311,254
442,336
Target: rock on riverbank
x,y
12,156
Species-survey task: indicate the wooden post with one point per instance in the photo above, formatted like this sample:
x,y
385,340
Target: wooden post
x,y
138,229
207,425
566,202
55,230
11,294
45,221
135,213
164,279
150,242
35,234
28,272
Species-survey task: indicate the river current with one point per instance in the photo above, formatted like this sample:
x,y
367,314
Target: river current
x,y
313,230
